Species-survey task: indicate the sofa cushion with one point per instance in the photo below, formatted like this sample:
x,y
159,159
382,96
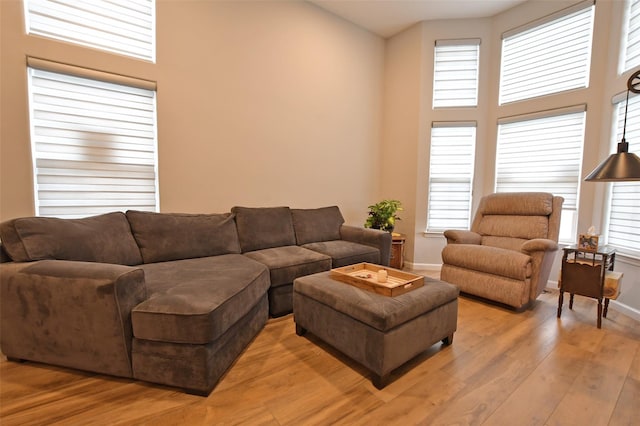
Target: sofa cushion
x,y
345,253
105,238
490,260
172,236
195,301
290,262
314,225
264,227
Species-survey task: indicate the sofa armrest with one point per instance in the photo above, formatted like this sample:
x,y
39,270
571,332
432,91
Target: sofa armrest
x,y
542,253
370,237
457,236
72,314
538,244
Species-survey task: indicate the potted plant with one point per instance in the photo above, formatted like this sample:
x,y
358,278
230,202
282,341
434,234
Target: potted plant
x,y
382,215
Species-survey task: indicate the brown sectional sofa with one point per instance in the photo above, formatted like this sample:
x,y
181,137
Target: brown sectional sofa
x,y
166,298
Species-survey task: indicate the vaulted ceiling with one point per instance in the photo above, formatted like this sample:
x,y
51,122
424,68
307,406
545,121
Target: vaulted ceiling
x,y
388,17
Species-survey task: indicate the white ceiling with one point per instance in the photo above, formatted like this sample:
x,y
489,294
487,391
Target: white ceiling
x,y
388,17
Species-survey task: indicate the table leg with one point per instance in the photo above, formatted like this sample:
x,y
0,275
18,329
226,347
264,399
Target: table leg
x,y
599,313
560,302
571,301
606,308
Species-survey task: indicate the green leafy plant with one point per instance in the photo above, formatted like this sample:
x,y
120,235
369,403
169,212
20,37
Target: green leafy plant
x,y
382,215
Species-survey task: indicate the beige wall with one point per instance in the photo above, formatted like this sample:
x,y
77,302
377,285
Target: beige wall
x,y
259,103
402,126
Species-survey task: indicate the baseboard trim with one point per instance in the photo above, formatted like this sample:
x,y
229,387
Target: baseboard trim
x,y
625,309
423,266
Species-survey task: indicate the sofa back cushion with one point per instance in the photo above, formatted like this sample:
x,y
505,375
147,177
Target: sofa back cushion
x,y
264,227
105,238
317,225
176,236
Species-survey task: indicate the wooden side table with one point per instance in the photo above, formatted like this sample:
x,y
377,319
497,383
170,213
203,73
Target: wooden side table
x,y
397,250
583,273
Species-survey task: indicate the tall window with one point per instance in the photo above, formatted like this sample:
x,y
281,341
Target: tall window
x,y
93,141
451,176
455,79
547,56
123,27
631,52
543,152
624,223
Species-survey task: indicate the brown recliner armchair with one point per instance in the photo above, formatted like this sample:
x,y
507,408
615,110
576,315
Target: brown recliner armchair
x,y
508,253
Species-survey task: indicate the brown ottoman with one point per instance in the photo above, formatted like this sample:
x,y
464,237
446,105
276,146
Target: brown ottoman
x,y
380,332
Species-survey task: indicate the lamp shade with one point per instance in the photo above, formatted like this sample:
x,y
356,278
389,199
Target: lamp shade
x,y
621,166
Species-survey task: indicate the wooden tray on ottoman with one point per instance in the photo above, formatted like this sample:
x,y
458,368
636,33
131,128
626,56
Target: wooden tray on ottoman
x,y
365,276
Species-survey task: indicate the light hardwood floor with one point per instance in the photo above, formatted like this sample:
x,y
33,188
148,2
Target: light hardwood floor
x,y
503,368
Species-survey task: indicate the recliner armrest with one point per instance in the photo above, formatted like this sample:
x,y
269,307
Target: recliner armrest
x,y
370,237
538,244
457,236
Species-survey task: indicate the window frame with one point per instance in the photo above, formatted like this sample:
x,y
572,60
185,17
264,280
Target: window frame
x,y
569,217
448,180
446,75
127,29
617,115
512,87
104,161
631,28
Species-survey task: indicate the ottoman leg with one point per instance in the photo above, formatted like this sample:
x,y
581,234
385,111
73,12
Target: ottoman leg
x,y
380,381
448,340
300,331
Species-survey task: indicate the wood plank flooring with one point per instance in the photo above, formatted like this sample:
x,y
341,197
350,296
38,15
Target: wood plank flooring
x,y
503,368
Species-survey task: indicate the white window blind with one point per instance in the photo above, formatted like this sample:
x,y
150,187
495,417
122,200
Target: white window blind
x,y
543,152
126,27
624,213
455,80
547,56
631,53
93,145
451,176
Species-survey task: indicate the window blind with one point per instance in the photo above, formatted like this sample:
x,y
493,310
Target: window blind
x,y
543,152
632,36
547,56
455,80
451,168
126,27
624,212
93,145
